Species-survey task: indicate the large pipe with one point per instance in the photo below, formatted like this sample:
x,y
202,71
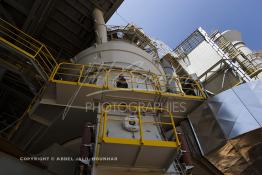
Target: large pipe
x,y
85,149
86,142
184,146
100,26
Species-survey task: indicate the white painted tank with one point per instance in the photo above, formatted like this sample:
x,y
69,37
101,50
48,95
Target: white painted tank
x,y
121,54
235,38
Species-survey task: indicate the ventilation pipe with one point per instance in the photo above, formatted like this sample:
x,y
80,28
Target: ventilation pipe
x,y
85,149
100,26
186,158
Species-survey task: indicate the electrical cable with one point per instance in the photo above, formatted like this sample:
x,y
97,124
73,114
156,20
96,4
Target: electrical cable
x,y
126,21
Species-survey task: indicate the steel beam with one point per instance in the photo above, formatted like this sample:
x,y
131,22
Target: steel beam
x,y
27,24
17,6
7,15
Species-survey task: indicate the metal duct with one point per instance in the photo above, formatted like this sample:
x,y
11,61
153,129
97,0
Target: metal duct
x,y
228,127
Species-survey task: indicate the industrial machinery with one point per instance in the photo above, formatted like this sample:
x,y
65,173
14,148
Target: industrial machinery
x,y
123,103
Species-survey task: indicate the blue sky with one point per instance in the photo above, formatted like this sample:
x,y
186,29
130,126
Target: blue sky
x,y
173,20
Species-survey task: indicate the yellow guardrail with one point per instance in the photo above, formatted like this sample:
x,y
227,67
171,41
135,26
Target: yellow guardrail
x,y
95,75
162,119
102,76
28,46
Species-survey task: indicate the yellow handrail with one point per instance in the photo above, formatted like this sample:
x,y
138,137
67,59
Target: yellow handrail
x,y
164,143
105,77
27,46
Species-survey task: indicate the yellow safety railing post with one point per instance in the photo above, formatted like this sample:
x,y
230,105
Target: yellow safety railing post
x,y
51,78
28,46
174,127
132,81
106,84
81,73
200,89
140,124
105,122
178,82
38,51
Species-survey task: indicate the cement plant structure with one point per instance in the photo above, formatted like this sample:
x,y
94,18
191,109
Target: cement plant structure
x,y
79,97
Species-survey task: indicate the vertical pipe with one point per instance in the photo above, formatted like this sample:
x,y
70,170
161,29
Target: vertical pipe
x,y
184,146
85,149
86,141
100,26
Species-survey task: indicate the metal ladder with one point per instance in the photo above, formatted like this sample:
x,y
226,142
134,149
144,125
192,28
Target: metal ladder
x,y
248,65
237,69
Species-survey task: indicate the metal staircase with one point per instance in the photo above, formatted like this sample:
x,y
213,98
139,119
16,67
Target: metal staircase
x,y
248,64
225,58
227,47
33,51
28,57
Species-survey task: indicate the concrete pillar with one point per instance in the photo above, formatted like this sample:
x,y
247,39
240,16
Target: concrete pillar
x,y
100,26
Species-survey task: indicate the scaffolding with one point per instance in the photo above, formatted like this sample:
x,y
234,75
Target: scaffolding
x,y
134,35
225,60
251,67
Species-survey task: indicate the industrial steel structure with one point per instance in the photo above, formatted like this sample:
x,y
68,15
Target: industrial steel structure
x,y
81,97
